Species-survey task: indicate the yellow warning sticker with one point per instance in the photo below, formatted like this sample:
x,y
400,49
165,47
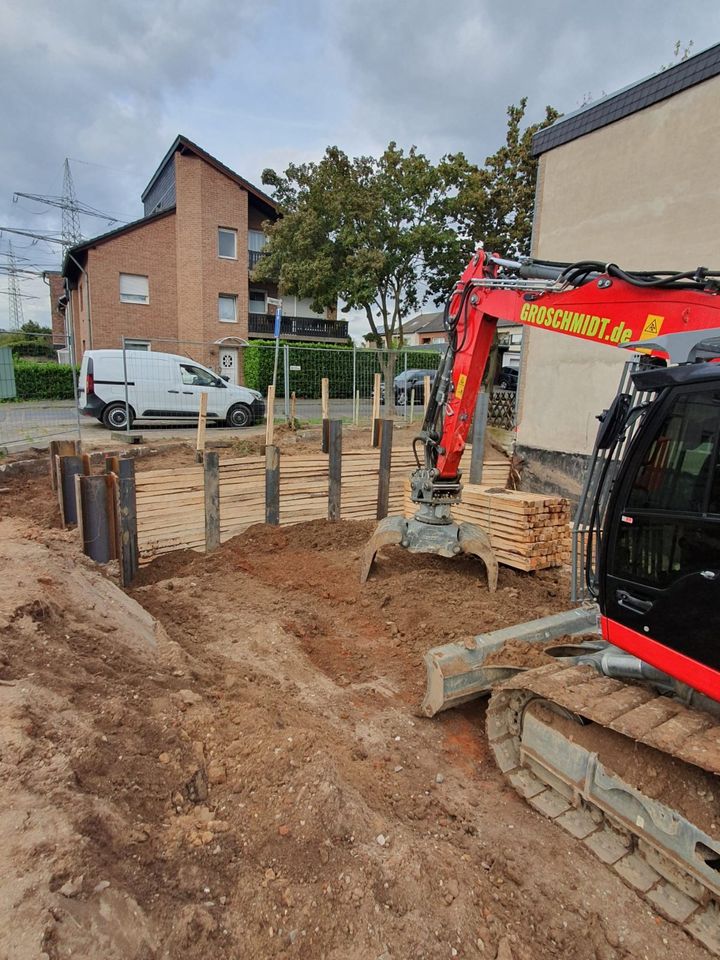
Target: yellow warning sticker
x,y
653,326
460,388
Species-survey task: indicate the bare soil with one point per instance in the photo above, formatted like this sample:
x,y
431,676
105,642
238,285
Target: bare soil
x,y
228,763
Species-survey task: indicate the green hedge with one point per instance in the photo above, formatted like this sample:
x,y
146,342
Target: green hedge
x,y
43,381
324,360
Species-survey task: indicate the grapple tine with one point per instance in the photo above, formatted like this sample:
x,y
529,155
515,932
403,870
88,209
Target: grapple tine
x,y
475,541
389,531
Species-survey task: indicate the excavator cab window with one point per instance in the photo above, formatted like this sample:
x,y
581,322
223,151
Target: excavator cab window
x,y
663,559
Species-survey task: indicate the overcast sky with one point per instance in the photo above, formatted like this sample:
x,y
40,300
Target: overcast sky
x,y
110,83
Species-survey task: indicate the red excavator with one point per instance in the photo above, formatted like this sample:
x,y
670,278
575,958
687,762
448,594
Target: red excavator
x,y
617,737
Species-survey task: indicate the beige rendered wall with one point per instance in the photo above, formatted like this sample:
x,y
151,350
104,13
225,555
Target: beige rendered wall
x,y
643,192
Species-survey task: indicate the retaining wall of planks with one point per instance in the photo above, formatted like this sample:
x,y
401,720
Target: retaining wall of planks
x,y
171,506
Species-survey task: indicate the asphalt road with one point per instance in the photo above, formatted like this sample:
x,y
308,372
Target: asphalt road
x,y
35,423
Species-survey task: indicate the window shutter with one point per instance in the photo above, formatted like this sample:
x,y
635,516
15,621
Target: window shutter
x,y
134,288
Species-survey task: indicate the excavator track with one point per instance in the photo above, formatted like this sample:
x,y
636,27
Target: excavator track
x,y
656,850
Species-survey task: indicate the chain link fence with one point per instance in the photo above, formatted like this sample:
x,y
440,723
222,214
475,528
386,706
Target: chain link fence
x,y
156,385
38,392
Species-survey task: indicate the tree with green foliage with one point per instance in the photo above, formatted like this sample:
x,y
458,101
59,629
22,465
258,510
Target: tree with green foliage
x,y
378,234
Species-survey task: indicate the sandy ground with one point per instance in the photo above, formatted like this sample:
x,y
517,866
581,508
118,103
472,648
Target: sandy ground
x,y
228,762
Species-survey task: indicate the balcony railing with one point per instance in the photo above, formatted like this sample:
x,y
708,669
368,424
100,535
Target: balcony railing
x,y
253,257
312,328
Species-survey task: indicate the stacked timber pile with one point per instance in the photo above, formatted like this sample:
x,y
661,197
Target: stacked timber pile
x,y
528,531
170,510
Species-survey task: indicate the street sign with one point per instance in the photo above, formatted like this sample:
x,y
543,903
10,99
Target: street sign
x,y
295,366
273,301
278,321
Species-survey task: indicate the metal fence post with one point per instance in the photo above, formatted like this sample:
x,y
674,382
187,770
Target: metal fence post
x,y
354,379
286,373
478,437
405,386
125,377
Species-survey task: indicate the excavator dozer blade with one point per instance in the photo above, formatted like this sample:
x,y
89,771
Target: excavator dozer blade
x,y
446,540
458,672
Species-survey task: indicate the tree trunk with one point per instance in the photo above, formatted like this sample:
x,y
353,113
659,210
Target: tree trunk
x,y
386,360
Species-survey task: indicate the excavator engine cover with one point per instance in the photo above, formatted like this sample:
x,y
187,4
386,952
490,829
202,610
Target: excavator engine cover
x,y
444,539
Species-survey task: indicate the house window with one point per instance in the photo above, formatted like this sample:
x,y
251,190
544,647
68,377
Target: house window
x,y
134,288
137,344
257,301
227,308
227,243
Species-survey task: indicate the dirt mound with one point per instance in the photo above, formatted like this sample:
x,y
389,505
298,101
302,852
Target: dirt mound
x,y
247,776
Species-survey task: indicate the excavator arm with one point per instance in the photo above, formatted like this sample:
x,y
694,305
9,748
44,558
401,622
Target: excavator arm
x,y
586,301
662,312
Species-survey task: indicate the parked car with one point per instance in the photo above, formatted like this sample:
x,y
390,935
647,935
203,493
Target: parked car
x,y
507,378
409,380
160,386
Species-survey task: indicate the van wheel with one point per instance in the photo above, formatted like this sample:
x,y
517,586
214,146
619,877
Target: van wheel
x,y
239,416
114,418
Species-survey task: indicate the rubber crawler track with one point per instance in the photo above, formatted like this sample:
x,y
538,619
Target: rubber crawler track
x,y
635,712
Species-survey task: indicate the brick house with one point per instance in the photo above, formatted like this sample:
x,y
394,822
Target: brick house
x,y
181,275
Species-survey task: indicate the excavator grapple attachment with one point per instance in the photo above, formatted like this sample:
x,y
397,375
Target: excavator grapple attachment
x,y
444,539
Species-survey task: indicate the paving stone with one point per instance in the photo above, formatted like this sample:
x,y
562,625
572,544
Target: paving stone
x,y
527,784
607,845
549,803
577,822
637,872
672,903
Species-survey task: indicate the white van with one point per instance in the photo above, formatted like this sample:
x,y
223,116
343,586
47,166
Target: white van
x,y
160,386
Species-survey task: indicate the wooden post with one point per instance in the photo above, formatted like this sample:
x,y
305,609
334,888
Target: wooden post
x,y
356,412
96,532
202,421
293,407
212,502
376,411
335,469
270,416
126,511
479,426
272,485
412,404
111,511
426,392
325,412
383,497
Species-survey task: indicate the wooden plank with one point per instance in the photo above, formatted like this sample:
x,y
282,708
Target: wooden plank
x,y
272,485
426,392
212,502
335,479
202,422
383,489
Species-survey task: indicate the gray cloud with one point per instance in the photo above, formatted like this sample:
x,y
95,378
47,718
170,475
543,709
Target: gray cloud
x,y
260,84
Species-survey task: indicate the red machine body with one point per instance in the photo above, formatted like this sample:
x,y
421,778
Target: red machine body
x,y
604,308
